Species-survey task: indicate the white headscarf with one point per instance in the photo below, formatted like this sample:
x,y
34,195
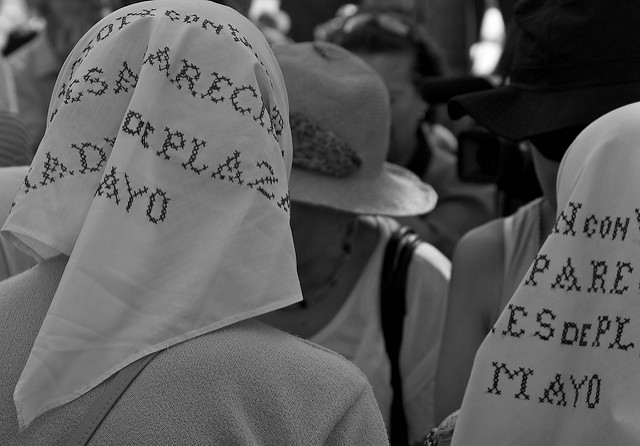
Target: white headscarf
x,y
163,175
561,365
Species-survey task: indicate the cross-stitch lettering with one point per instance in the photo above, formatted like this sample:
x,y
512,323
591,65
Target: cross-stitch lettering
x,y
215,88
593,396
512,320
567,278
571,334
511,374
237,36
616,285
157,201
197,145
604,324
576,387
616,343
556,392
540,265
68,99
96,80
554,389
173,15
53,166
163,203
236,102
606,227
126,79
285,203
133,193
189,73
208,24
159,59
587,334
599,269
192,18
569,220
26,185
104,32
231,167
82,151
545,325
174,143
173,140
567,275
261,183
109,186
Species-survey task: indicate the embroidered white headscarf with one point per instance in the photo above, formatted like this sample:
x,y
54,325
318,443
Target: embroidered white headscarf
x,y
163,175
561,365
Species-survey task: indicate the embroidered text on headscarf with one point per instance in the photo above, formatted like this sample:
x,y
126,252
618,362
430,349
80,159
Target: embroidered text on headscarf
x,y
561,364
163,175
218,88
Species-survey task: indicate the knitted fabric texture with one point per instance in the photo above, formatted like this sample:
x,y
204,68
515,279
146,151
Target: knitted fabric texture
x,y
163,175
241,385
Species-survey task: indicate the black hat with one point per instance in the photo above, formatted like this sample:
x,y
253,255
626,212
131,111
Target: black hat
x,y
574,61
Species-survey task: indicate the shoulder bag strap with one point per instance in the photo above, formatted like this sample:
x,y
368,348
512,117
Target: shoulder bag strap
x,y
105,402
9,89
397,257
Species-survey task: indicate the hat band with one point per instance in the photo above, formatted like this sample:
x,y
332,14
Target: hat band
x,y
587,74
321,150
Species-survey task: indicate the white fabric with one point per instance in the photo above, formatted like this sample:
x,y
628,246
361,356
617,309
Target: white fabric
x,y
163,175
8,97
355,331
12,260
561,366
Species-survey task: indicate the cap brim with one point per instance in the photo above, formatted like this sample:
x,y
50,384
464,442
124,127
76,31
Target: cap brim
x,y
394,192
440,89
517,114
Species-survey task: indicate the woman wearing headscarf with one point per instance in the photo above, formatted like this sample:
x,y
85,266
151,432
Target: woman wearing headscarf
x,y
157,205
344,195
563,76
561,367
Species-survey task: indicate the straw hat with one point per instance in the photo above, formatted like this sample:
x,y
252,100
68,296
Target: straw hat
x,y
340,122
573,62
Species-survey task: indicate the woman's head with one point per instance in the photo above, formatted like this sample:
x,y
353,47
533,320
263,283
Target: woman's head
x,y
163,169
584,280
391,42
390,30
548,150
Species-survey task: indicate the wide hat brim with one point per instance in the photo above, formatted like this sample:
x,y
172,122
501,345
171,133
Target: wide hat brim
x,y
518,113
395,192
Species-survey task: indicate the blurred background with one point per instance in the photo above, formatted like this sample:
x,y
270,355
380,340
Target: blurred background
x,y
470,32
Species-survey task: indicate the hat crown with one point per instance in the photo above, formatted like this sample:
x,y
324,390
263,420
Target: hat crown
x,y
340,116
576,43
341,94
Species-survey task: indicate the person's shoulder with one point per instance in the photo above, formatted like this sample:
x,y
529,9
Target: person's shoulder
x,y
430,257
478,262
270,352
481,240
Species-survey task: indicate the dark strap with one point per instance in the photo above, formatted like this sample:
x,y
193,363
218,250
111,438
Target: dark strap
x,y
105,402
397,256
